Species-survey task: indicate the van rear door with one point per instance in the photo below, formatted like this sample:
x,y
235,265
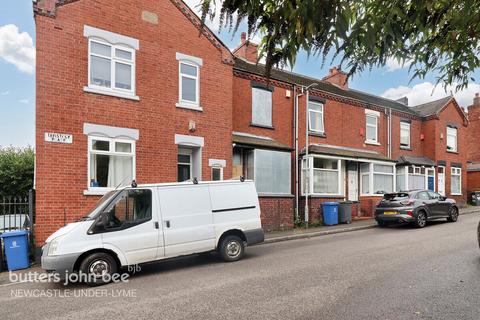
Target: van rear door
x,y
187,219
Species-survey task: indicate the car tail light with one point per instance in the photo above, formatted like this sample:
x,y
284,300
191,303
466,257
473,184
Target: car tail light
x,y
410,213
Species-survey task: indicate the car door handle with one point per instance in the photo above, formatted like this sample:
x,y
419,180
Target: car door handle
x,y
167,223
155,224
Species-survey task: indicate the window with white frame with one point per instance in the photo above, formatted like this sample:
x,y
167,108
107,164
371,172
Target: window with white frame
x,y
111,162
261,107
217,173
451,139
326,176
404,135
382,178
315,117
400,178
416,178
189,83
376,178
371,134
456,181
365,178
111,67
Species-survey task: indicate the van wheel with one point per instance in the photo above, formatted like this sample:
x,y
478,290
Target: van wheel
x,y
231,248
98,268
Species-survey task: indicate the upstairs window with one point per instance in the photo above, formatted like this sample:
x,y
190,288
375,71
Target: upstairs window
x,y
189,83
451,139
261,107
315,117
111,67
405,135
371,128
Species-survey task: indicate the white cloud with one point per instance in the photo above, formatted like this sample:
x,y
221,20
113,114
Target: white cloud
x,y
4,93
427,91
17,48
393,64
24,101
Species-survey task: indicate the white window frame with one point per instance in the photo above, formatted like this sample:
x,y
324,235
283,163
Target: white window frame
x,y
310,171
217,167
113,61
310,111
371,180
452,132
111,142
455,171
186,152
187,103
405,127
372,116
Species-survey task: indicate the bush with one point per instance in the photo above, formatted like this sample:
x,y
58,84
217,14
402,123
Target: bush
x,y
16,170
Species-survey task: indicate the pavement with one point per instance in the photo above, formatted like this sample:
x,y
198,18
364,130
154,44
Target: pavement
x,y
397,272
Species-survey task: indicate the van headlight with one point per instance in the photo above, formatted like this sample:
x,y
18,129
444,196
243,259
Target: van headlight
x,y
53,247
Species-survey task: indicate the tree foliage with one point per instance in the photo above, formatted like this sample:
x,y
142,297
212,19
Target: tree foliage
x,y
16,171
440,36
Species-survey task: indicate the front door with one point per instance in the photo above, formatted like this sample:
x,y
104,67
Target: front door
x,y
431,179
441,180
352,181
132,226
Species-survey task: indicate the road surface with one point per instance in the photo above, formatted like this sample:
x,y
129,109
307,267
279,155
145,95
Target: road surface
x,y
391,273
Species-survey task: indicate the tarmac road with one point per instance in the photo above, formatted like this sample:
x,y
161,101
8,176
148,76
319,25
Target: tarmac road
x,y
391,273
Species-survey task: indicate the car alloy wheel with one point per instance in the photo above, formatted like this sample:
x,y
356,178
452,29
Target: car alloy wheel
x,y
453,215
421,219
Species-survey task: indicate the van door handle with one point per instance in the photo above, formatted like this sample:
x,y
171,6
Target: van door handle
x,y
167,223
156,225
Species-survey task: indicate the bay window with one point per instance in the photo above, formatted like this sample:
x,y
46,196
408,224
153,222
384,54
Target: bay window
x,y
376,178
111,162
456,181
326,176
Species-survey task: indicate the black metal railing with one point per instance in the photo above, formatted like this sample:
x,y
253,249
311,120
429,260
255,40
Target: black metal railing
x,y
16,212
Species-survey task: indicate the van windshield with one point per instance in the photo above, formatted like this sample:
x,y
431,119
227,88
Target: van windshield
x,y
100,204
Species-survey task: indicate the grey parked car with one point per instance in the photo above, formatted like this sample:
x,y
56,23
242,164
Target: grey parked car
x,y
417,207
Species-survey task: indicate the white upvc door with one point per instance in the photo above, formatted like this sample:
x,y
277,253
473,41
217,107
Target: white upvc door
x,y
352,184
441,180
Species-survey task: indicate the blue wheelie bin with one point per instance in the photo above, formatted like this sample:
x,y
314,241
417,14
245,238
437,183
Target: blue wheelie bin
x,y
330,213
16,249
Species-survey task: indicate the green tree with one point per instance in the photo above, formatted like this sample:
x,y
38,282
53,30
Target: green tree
x,y
16,170
440,36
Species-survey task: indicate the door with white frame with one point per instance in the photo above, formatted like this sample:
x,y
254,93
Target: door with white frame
x,y
430,179
441,180
352,176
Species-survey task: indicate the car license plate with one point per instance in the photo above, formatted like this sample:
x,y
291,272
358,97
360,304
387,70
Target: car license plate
x,y
389,212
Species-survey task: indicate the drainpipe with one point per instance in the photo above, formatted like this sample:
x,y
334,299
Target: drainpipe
x,y
306,157
389,132
295,137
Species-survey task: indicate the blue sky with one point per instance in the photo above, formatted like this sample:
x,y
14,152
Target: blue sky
x,y
17,77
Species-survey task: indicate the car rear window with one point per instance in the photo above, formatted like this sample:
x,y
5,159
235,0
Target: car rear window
x,y
396,196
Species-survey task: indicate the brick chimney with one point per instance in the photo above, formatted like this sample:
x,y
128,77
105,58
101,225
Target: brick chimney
x,y
246,50
337,77
473,153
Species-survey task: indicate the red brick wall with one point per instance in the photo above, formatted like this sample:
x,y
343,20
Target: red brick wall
x,y
474,133
368,204
416,144
62,106
277,213
473,181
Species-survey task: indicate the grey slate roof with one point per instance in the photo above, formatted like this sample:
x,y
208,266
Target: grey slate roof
x,y
420,161
473,166
432,107
290,77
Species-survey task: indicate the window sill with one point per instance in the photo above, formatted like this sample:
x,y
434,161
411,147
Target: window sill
x,y
275,195
317,134
371,195
373,143
96,192
184,105
261,126
111,93
406,148
456,194
319,195
454,152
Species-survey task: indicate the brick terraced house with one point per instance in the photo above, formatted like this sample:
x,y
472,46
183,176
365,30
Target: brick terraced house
x,y
130,90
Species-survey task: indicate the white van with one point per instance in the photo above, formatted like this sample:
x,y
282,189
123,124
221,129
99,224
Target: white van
x,y
145,223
